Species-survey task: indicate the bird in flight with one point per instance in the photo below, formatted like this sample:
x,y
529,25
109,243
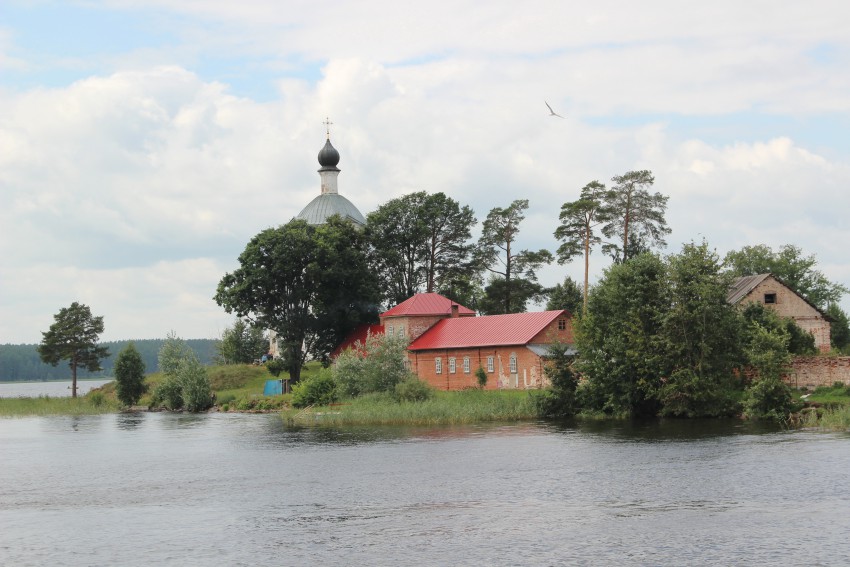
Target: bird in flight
x,y
552,112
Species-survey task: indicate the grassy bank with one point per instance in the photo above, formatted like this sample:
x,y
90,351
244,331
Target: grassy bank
x,y
44,405
445,408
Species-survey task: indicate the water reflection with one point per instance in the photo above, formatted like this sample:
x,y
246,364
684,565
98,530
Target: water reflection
x,y
129,421
663,430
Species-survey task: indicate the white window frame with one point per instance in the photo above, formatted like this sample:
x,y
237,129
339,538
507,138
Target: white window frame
x,y
438,365
390,331
513,364
401,332
452,365
491,364
466,365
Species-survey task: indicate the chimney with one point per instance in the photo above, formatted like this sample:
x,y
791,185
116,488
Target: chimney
x,y
455,311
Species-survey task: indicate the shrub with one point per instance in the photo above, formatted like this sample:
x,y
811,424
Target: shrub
x,y
482,377
129,376
275,367
318,390
412,390
196,391
377,366
770,399
168,394
559,400
97,399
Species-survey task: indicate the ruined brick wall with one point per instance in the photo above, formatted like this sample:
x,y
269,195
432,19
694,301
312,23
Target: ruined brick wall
x,y
529,368
813,371
412,327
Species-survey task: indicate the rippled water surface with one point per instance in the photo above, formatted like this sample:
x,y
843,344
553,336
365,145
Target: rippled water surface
x,y
162,489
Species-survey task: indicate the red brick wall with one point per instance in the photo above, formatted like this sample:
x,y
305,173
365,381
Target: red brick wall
x,y
413,326
552,334
529,368
814,371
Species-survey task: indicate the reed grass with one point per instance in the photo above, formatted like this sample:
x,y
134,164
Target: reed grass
x,y
835,418
443,408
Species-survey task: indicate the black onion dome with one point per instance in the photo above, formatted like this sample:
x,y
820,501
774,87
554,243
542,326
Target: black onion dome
x,y
328,156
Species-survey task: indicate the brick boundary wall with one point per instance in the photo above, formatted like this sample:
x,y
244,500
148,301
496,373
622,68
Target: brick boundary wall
x,y
814,371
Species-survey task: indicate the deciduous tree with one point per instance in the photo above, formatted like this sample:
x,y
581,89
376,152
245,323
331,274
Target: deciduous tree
x,y
129,375
74,337
242,343
567,295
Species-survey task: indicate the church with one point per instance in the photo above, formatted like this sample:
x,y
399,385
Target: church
x,y
448,342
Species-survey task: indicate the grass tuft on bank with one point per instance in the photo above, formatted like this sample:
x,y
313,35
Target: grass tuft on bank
x,y
91,404
442,408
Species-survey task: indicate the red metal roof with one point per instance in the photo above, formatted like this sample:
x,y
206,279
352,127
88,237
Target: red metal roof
x,y
359,334
426,304
490,330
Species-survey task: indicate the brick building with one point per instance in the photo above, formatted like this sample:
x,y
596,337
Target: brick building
x,y
773,294
449,342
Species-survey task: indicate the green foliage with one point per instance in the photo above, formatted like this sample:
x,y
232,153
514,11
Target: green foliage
x,y
577,231
689,394
377,366
412,390
559,400
619,339
172,352
800,342
310,284
195,385
481,376
186,384
74,337
791,266
567,295
634,216
275,367
839,328
769,398
420,243
168,393
97,399
129,376
317,390
242,343
514,272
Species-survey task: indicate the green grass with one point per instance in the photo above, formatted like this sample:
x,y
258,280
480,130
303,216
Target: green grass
x,y
237,387
45,405
836,395
444,408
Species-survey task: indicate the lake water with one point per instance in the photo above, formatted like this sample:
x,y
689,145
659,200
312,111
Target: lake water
x,y
52,389
230,489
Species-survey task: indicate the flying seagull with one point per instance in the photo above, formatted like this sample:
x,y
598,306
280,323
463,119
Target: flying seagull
x,y
552,112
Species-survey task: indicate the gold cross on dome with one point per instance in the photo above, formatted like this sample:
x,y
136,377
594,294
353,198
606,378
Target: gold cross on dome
x,y
327,124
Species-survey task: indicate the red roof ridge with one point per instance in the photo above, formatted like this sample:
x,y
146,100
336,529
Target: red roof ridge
x,y
426,304
487,330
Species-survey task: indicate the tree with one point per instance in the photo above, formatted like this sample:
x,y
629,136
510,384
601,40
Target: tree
x,y
701,336
839,328
129,375
171,353
74,337
514,280
565,295
800,341
767,352
242,343
420,242
618,339
635,216
311,285
579,220
186,384
790,265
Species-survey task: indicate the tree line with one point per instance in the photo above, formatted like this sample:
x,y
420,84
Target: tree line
x,y
21,362
312,285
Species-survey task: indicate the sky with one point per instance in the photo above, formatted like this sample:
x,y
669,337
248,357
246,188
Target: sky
x,y
143,143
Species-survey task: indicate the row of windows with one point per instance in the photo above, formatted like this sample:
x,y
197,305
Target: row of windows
x,y
491,365
390,331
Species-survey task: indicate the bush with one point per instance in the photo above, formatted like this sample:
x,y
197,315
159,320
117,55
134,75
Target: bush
x,y
481,375
189,388
129,376
168,394
318,390
97,399
377,366
412,390
275,367
770,399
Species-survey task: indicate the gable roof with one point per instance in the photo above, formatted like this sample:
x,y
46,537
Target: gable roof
x,y
426,304
742,287
489,330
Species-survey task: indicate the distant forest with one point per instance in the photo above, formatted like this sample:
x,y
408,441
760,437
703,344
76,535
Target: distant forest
x,y
21,362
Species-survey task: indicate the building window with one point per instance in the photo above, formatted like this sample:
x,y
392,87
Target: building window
x,y
490,364
452,366
513,364
390,331
562,324
770,298
438,365
466,365
401,331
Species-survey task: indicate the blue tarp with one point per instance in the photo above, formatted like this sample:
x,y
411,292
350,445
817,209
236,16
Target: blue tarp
x,y
273,388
